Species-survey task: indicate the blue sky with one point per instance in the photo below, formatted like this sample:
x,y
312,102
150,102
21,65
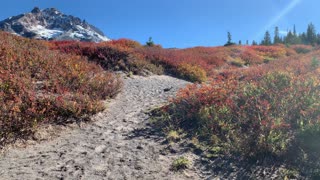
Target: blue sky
x,y
182,23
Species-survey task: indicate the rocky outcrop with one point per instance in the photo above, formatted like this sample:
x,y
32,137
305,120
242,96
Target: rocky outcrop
x,y
51,24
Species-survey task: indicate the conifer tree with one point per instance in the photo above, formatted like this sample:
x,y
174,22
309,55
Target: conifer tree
x,y
289,39
229,38
296,38
267,39
318,38
229,42
311,34
150,42
303,38
276,39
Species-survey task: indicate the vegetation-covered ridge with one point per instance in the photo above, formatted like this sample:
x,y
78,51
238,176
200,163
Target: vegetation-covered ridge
x,y
38,85
54,81
257,101
193,64
263,111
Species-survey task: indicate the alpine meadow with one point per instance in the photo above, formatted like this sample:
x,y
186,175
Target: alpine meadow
x,y
77,104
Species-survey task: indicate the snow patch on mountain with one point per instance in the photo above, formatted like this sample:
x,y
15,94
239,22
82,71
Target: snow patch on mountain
x,y
45,33
51,24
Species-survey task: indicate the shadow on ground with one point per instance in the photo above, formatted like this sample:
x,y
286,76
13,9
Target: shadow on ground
x,y
222,166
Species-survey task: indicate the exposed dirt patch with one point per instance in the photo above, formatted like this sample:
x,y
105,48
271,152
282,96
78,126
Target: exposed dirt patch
x,y
118,144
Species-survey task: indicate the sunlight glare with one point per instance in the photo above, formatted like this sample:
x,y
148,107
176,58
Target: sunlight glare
x,y
278,17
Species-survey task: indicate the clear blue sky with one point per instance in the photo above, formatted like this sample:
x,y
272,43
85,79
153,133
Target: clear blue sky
x,y
181,23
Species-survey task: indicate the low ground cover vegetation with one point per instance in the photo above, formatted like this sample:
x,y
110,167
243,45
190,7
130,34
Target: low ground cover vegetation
x,y
270,110
257,101
38,85
193,64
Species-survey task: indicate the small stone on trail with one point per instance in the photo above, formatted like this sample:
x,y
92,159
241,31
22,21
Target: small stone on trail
x,y
173,149
100,149
167,89
138,167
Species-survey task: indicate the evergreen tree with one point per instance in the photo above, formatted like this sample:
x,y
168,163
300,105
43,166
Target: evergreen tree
x,y
254,43
292,37
276,39
150,42
229,38
289,39
303,38
267,39
318,38
311,34
229,42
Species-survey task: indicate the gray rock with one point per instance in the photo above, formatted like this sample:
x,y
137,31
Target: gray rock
x,y
100,149
51,24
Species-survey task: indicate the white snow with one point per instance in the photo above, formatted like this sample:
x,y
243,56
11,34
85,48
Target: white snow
x,y
77,35
92,33
40,26
44,32
81,33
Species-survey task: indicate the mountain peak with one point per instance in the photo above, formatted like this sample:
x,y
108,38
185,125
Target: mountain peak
x,y
52,11
36,10
51,24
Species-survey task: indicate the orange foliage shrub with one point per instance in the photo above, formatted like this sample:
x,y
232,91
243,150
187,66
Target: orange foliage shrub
x,y
112,55
211,58
256,109
38,85
128,55
122,43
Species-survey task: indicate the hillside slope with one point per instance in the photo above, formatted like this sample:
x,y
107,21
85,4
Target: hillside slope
x,y
244,116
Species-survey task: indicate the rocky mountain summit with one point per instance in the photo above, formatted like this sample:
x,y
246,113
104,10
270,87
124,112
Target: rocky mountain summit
x,y
51,24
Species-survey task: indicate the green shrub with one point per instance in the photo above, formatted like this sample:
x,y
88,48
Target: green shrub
x,y
192,73
138,66
308,139
173,136
302,49
238,62
180,164
315,63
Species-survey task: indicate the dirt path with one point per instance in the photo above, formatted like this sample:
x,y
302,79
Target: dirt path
x,y
108,148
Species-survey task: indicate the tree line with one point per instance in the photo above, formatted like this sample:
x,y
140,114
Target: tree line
x,y
310,37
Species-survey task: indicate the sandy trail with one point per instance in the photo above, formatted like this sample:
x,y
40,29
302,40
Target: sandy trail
x,y
108,148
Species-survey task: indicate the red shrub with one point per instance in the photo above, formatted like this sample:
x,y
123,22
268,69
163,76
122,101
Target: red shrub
x,y
38,85
256,109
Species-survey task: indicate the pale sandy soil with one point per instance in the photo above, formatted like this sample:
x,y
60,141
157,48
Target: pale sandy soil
x,y
116,145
